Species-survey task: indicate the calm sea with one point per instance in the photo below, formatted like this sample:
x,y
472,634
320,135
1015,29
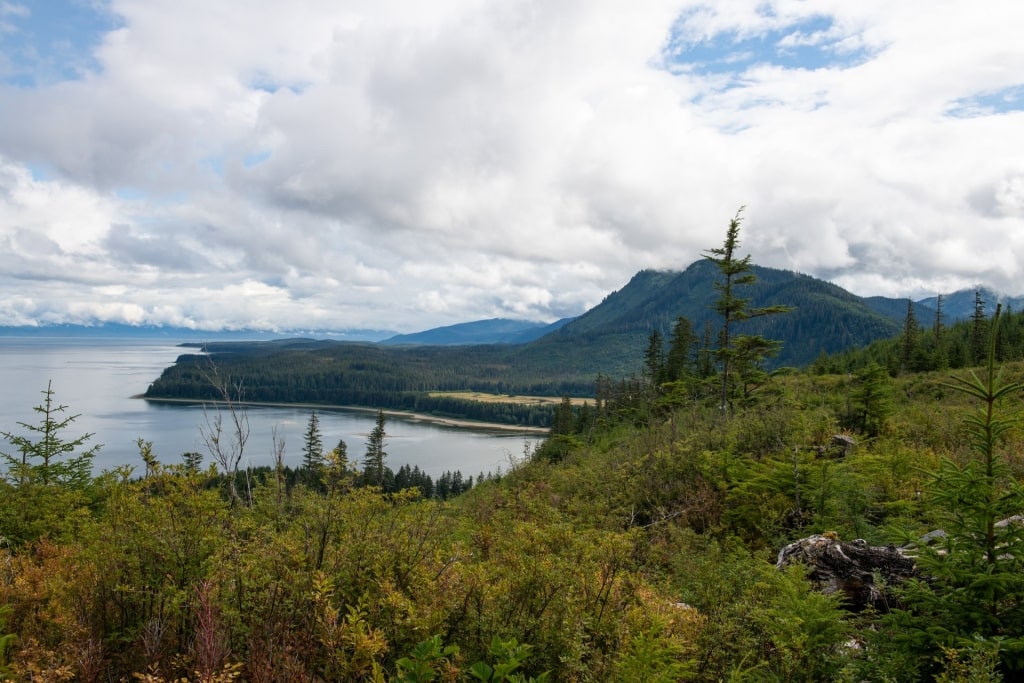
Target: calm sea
x,y
96,379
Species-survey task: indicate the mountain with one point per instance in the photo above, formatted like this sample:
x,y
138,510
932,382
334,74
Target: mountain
x,y
493,331
825,318
610,340
960,304
897,309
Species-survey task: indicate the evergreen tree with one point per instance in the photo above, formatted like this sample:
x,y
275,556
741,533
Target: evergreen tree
x,y
736,272
910,339
49,458
560,441
750,350
979,330
940,355
654,358
47,487
679,361
973,597
706,354
192,461
872,400
337,467
376,456
313,449
564,420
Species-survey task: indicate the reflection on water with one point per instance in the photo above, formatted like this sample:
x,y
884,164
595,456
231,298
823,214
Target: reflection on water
x,y
96,379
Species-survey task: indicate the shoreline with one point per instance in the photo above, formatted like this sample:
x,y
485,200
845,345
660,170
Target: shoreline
x,y
417,417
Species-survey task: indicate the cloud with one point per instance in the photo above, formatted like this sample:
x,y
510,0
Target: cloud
x,y
404,165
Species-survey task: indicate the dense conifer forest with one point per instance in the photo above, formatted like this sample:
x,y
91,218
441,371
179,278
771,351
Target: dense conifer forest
x,y
606,341
638,543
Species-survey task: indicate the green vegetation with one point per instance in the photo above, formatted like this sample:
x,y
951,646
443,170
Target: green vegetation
x,y
609,340
741,355
644,551
638,543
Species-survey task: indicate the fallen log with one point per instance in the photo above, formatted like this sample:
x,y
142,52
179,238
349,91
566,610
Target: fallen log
x,y
861,574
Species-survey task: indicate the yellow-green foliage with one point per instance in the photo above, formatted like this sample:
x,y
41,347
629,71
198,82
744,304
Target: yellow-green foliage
x,y
646,554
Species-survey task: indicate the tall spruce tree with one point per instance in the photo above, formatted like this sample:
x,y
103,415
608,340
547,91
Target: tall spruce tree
x,y
679,361
654,358
910,340
979,330
940,355
313,450
737,350
374,462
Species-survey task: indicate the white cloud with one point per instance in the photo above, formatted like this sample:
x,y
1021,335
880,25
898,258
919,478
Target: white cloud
x,y
402,164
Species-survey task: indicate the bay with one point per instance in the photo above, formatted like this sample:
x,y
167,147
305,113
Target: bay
x,y
97,378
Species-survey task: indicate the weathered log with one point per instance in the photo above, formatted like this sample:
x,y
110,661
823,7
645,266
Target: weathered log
x,y
859,573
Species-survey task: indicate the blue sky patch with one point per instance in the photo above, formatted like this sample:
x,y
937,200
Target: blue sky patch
x,y
214,163
987,103
130,194
255,158
810,44
46,41
40,172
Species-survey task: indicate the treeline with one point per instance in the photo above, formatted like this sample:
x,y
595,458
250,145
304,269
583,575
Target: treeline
x,y
932,345
448,484
349,374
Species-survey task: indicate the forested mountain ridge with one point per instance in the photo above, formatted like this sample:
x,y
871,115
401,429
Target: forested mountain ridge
x,y
608,340
825,318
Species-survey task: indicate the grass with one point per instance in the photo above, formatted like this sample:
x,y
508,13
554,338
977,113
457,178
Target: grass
x,y
485,397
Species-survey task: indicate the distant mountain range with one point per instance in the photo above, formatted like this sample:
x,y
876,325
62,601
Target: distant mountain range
x,y
611,336
493,331
179,334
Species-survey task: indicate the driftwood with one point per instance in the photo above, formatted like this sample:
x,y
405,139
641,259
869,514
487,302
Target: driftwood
x,y
859,573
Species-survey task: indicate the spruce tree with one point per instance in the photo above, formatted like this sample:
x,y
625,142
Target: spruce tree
x,y
376,456
973,595
337,471
940,356
979,330
679,361
737,350
872,400
654,358
313,446
47,457
910,339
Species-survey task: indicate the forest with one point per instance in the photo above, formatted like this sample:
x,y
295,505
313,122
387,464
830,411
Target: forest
x,y
638,543
607,341
368,375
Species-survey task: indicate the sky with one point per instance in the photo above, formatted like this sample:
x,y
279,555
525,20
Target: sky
x,y
408,164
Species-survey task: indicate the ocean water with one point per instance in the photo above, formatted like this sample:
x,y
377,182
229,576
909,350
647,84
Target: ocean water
x,y
97,379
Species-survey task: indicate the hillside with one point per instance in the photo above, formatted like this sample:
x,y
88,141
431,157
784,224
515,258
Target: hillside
x,y
825,318
639,543
609,340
